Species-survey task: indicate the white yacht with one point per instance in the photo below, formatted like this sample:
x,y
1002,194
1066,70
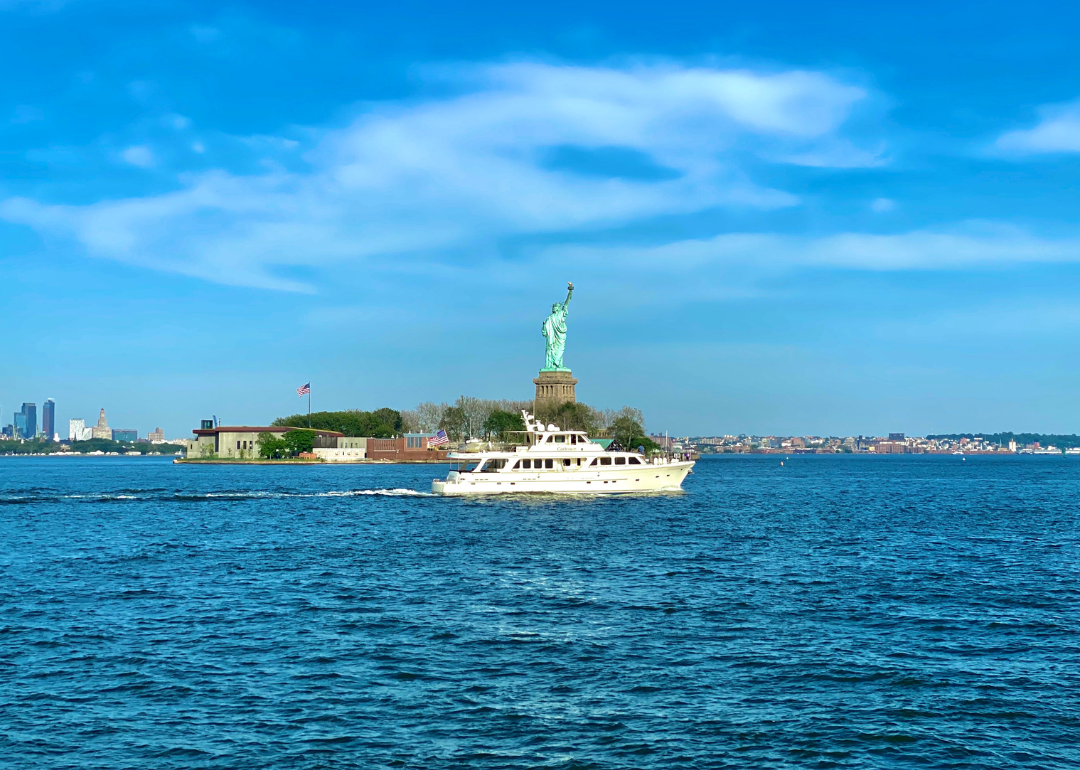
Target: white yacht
x,y
561,462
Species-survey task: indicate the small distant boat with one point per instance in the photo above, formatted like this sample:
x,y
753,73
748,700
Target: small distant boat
x,y
561,462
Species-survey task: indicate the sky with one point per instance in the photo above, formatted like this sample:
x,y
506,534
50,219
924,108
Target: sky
x,y
779,218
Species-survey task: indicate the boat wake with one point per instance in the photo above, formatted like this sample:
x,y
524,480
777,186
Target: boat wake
x,y
28,497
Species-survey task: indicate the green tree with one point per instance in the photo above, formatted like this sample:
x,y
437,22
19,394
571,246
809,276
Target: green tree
x,y
630,434
500,423
454,422
572,416
271,447
299,441
382,423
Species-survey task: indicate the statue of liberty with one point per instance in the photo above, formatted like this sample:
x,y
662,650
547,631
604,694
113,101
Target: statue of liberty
x,y
554,330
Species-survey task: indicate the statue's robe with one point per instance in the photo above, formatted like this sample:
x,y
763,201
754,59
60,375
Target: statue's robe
x,y
554,330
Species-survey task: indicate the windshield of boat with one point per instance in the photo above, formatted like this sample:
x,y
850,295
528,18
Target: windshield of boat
x,y
467,466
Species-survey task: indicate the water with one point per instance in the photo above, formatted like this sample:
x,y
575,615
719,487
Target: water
x,y
834,612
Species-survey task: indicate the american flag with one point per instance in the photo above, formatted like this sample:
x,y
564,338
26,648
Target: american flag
x,y
438,439
303,390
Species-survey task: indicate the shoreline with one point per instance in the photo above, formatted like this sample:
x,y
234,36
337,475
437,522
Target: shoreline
x,y
196,461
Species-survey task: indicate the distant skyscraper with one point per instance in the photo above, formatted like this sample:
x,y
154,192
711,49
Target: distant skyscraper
x,y
156,436
48,418
30,410
77,430
26,421
101,430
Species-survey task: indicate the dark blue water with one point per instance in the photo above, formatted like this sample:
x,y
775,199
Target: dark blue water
x,y
835,612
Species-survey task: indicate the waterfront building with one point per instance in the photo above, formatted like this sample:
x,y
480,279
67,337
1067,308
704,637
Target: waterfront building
x,y
48,418
125,434
101,430
240,441
156,436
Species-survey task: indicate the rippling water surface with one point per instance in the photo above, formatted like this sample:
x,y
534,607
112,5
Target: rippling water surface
x,y
833,612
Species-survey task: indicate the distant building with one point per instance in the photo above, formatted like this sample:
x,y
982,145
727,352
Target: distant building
x,y
237,441
26,421
896,437
156,436
48,418
101,430
890,448
125,434
77,430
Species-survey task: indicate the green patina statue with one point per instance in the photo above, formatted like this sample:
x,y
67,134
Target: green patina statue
x,y
554,330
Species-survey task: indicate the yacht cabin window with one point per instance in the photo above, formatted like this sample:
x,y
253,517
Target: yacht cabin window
x,y
635,461
548,463
620,461
605,461
525,464
560,439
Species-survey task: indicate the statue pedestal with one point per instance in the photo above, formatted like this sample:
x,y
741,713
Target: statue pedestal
x,y
554,389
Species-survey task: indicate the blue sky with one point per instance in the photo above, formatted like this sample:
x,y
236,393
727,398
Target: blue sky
x,y
795,218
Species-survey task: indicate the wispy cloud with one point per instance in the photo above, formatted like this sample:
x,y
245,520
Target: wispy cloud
x,y
1058,131
138,155
459,172
726,262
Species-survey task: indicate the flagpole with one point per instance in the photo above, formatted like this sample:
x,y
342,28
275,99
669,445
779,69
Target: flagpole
x,y
309,405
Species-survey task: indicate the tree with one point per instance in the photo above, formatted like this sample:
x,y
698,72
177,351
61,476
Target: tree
x,y
429,416
299,441
572,416
474,412
271,447
382,423
625,429
501,423
388,417
454,423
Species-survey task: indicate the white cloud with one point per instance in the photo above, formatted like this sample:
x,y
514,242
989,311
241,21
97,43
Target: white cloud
x,y
138,155
969,245
460,172
882,205
176,122
1058,131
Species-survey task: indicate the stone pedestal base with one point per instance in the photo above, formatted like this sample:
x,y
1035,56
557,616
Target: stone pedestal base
x,y
554,389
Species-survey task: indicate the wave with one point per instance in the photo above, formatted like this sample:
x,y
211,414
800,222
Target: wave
x,y
181,496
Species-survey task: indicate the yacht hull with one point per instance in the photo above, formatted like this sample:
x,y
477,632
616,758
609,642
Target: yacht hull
x,y
605,481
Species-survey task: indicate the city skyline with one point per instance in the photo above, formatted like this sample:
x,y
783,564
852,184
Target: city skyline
x,y
778,218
